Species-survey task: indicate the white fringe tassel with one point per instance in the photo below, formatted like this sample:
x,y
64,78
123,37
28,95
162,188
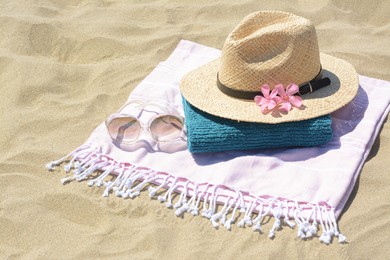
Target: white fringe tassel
x,y
130,181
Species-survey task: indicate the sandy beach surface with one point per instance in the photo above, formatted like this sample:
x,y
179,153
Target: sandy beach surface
x,y
65,65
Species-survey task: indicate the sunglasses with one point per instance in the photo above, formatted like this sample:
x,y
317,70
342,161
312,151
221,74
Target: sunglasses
x,y
167,125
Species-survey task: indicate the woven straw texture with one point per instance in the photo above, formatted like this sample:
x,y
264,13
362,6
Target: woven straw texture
x,y
270,47
208,133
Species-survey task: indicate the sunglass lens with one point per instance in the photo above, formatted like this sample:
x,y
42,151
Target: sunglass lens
x,y
124,129
166,128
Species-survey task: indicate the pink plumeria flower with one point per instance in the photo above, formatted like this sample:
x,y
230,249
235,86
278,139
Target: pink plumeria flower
x,y
287,98
268,101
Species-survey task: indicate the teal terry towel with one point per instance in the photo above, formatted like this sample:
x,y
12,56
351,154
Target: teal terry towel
x,y
208,133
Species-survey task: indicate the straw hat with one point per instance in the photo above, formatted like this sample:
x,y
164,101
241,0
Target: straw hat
x,y
269,47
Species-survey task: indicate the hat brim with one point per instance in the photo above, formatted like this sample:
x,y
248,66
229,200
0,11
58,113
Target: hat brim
x,y
199,88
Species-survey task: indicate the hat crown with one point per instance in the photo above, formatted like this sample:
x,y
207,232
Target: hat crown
x,y
269,47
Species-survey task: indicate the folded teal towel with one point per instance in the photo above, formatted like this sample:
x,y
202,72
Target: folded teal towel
x,y
208,133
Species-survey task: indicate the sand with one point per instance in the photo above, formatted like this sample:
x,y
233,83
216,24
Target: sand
x,y
65,65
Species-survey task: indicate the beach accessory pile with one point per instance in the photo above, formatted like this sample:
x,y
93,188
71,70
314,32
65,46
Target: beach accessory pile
x,y
275,48
308,187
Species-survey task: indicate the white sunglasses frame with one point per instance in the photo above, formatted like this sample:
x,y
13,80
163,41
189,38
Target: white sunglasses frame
x,y
167,111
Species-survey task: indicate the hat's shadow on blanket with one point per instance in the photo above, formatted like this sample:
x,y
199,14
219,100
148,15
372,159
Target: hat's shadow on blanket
x,y
344,121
